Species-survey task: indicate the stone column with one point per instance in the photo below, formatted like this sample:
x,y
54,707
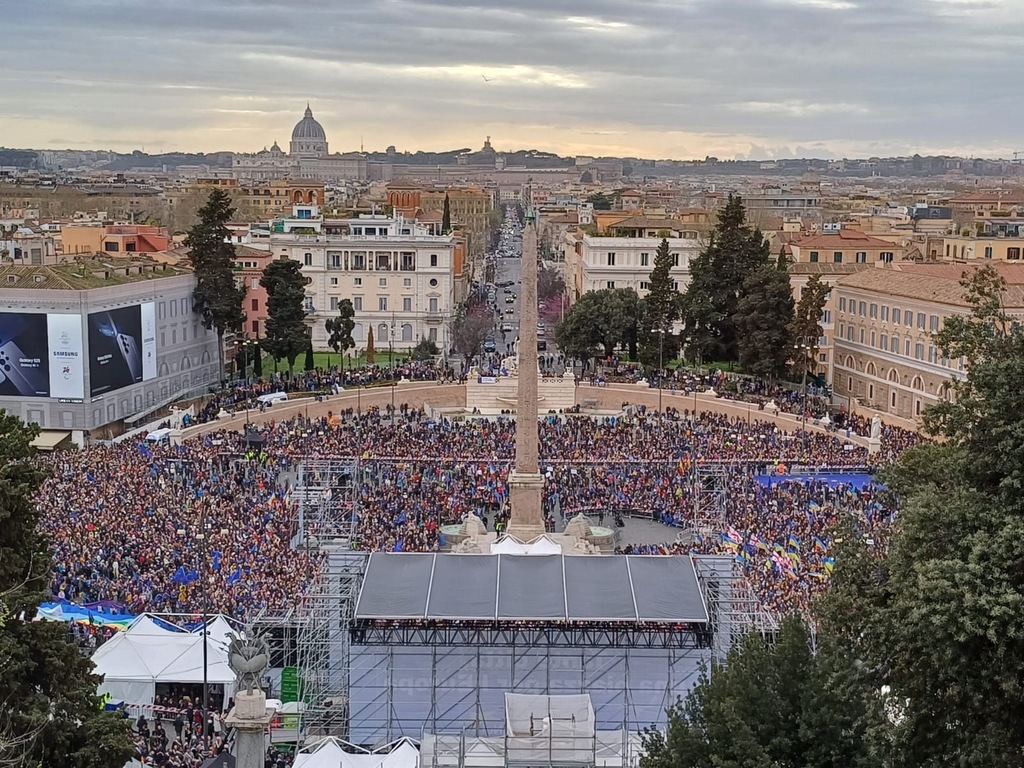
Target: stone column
x,y
250,719
526,483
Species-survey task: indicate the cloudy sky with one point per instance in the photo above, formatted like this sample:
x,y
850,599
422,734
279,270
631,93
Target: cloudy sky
x,y
654,78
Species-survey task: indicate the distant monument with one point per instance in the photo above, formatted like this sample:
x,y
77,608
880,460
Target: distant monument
x,y
526,482
248,659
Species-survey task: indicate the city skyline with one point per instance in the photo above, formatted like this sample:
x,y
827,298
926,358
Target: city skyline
x,y
755,79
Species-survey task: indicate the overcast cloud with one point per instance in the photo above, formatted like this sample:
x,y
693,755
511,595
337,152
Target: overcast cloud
x,y
654,78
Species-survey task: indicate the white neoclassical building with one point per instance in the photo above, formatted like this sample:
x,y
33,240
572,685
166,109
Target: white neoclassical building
x,y
625,258
399,276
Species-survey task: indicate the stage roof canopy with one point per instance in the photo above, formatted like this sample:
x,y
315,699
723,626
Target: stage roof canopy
x,y
468,587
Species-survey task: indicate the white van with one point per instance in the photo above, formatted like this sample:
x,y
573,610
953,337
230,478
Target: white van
x,y
272,397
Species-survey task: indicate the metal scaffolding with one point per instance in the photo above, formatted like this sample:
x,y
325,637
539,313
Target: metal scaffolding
x,y
323,623
327,494
734,608
710,484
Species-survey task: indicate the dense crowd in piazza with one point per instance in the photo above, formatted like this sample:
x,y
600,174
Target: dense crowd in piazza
x,y
125,519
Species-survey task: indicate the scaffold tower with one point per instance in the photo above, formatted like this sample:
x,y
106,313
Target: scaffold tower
x,y
733,606
710,484
323,624
327,494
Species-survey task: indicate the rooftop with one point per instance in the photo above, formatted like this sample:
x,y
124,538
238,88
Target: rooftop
x,y
939,283
844,238
84,274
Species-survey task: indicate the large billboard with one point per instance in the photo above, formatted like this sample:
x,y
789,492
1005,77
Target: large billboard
x,y
41,356
122,348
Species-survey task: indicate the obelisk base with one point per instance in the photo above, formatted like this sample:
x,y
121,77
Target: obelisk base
x,y
250,718
527,520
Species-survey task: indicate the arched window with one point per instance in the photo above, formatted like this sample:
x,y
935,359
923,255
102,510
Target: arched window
x,y
359,332
850,364
407,332
297,197
381,333
894,376
917,383
870,370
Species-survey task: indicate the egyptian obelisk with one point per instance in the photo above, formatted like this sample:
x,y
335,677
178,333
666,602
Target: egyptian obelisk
x,y
526,521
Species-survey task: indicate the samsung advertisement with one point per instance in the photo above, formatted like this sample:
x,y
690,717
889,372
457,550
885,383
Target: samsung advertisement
x,y
122,348
41,356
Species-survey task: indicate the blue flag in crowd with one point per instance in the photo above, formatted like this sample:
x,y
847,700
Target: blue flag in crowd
x,y
235,577
398,545
217,555
181,576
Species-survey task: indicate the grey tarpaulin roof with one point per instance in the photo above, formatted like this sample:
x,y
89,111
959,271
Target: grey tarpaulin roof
x,y
531,587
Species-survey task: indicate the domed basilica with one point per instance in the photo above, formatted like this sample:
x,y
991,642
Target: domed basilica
x,y
307,158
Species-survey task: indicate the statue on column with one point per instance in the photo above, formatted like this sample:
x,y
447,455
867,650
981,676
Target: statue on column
x,y
876,427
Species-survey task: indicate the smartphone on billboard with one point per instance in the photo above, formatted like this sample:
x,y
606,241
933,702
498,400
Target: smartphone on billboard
x,y
29,381
131,354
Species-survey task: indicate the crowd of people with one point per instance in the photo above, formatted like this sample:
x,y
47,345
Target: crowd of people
x,y
149,526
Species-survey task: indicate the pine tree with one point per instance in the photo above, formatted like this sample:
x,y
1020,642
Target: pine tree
x,y
764,321
446,217
217,297
807,319
339,330
734,251
660,311
50,713
286,333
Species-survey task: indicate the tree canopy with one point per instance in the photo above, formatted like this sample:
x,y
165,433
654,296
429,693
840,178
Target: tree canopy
x,y
606,318
939,622
734,251
339,329
50,713
774,704
217,297
763,321
660,310
286,333
807,317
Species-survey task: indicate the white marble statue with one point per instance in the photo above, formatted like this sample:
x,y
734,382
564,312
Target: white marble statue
x,y
876,427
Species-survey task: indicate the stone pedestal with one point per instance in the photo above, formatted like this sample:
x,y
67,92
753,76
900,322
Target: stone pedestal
x,y
874,445
527,520
250,719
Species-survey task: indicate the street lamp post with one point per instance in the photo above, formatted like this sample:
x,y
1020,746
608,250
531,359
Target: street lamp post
x,y
802,346
394,381
661,364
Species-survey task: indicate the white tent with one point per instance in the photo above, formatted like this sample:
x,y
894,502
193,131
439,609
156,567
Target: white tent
x,y
330,753
509,545
220,630
147,653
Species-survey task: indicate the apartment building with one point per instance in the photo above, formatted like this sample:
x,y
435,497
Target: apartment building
x,y
469,206
624,257
400,277
885,354
114,239
997,240
845,246
249,266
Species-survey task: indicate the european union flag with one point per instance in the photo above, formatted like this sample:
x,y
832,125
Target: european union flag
x,y
398,545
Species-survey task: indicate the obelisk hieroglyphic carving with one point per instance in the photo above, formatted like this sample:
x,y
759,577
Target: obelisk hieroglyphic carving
x,y
526,483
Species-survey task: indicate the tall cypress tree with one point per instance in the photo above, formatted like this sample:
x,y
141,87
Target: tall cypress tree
x,y
286,333
446,217
735,250
217,297
660,310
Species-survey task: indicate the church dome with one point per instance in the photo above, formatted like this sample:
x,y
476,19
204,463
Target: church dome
x,y
308,129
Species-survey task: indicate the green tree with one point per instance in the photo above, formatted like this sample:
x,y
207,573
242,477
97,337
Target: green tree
x,y
469,331
50,714
764,320
446,216
286,334
777,704
257,366
807,317
310,362
550,283
217,297
605,318
734,251
425,349
339,330
660,311
600,201
939,619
